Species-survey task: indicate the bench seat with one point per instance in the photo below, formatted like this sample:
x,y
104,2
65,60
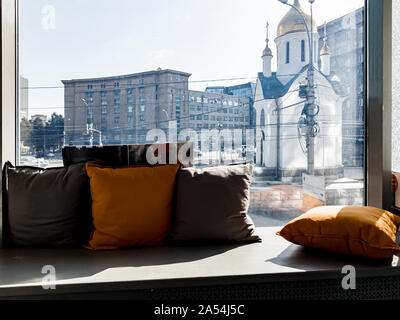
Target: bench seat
x,y
274,268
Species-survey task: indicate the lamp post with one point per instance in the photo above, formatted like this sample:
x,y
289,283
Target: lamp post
x,y
310,107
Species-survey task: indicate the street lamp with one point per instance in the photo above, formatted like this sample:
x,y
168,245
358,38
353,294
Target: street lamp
x,y
310,108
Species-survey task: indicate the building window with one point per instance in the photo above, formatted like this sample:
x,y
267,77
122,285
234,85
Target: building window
x,y
103,110
129,91
89,103
130,109
117,92
103,93
103,102
90,111
117,101
103,86
287,52
141,117
116,84
116,119
142,108
130,118
117,110
303,50
142,89
130,100
89,94
103,120
90,86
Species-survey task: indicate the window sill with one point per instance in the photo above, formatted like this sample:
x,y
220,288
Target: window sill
x,y
144,272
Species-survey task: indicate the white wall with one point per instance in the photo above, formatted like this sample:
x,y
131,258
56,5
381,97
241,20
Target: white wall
x,y
328,143
285,71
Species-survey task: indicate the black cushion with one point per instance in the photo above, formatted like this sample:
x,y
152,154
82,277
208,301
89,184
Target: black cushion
x,y
46,207
117,156
212,203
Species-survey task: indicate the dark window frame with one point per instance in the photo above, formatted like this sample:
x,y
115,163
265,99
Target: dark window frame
x,y
377,95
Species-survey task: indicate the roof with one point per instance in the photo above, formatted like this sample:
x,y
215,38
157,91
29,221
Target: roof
x,y
125,76
273,88
293,21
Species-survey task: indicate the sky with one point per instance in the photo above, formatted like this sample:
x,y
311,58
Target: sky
x,y
211,39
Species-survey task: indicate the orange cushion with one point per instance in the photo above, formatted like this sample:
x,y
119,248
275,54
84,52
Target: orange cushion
x,y
359,231
131,206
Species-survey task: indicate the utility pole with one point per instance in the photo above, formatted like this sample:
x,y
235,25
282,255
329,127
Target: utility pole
x,y
310,108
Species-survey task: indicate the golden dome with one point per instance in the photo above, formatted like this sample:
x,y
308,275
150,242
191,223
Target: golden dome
x,y
267,51
293,22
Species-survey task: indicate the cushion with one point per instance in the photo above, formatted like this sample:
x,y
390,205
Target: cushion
x,y
132,206
46,207
125,155
359,231
212,204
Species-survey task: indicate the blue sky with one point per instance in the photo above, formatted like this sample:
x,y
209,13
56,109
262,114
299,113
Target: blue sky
x,y
212,39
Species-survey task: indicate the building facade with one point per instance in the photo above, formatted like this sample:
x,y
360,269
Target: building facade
x,y
345,37
122,109
23,97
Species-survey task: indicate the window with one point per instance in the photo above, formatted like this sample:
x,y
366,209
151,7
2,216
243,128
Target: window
x,y
287,52
227,103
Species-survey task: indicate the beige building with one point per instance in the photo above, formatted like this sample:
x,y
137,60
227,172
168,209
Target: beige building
x,y
124,108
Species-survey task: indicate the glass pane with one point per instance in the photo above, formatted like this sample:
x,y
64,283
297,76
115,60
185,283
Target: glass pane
x,y
253,79
396,97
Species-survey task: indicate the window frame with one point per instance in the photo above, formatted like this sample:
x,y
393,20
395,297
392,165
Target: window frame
x,y
377,95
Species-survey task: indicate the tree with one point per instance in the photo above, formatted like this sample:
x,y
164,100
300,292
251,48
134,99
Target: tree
x,y
55,132
38,136
26,132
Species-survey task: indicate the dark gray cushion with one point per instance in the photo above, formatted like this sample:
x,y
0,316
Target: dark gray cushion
x,y
212,204
46,207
